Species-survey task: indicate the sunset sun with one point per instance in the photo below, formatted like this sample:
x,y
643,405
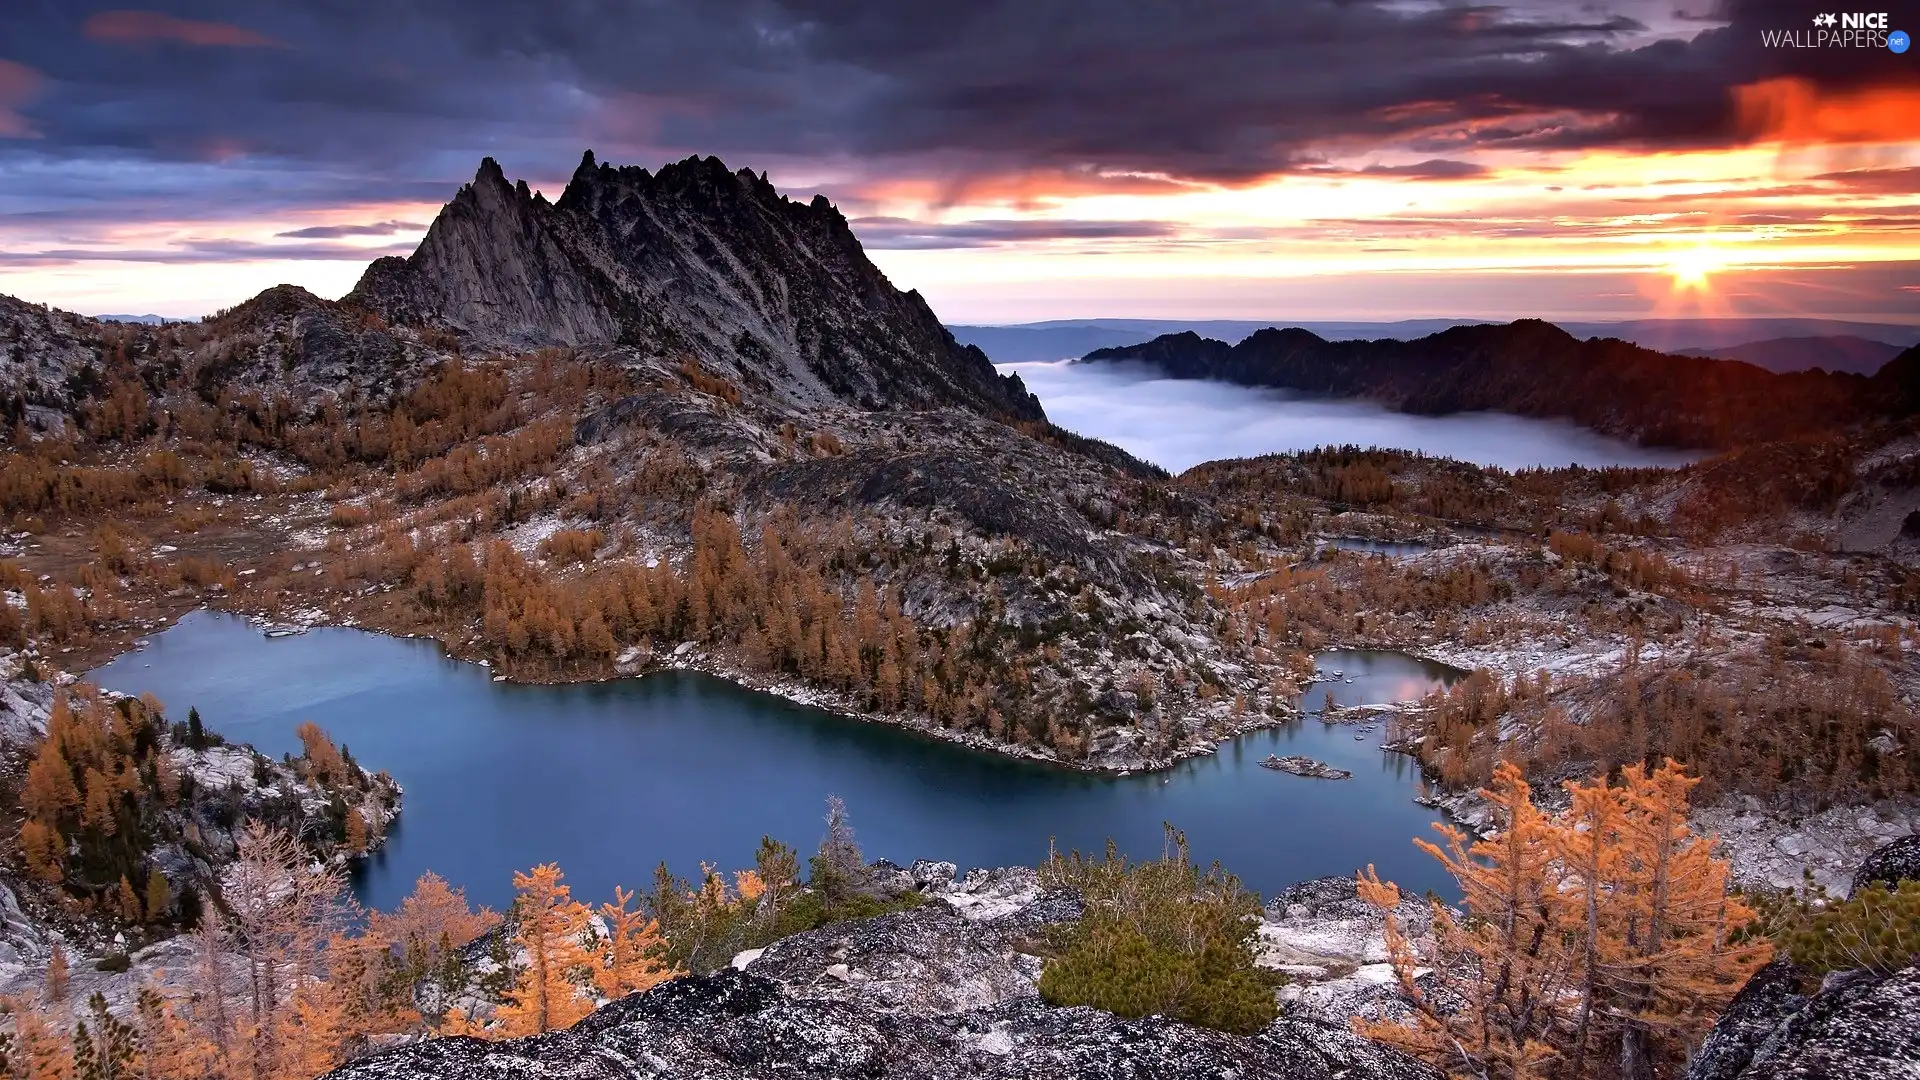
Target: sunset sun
x,y
1692,268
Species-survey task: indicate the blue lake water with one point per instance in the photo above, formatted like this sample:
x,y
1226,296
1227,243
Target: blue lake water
x,y
608,779
1392,549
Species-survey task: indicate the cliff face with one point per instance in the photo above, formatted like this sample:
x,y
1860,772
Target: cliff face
x,y
694,261
1533,368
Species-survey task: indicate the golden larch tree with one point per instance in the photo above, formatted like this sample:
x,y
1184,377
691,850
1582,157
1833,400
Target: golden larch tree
x,y
1507,968
1606,926
1667,959
634,948
550,925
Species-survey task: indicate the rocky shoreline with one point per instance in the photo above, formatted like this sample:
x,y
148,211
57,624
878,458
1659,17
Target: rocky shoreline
x,y
1120,756
106,959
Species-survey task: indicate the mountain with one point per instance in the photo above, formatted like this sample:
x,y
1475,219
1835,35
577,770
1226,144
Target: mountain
x,y
1679,335
758,445
150,320
1533,368
1898,382
1838,352
1062,338
695,261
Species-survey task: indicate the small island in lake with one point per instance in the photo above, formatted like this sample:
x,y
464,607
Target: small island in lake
x,y
1301,765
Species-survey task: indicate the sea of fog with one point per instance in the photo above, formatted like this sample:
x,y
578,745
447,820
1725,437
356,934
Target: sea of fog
x,y
1179,423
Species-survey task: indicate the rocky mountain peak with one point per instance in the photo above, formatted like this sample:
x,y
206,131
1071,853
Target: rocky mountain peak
x,y
693,262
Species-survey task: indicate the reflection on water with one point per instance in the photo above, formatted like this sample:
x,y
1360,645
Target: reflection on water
x,y
608,779
1374,677
1392,549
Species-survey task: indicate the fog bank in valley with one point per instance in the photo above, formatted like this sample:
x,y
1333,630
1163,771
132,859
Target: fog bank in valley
x,y
1179,423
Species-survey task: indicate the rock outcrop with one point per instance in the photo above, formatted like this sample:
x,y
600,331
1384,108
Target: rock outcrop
x,y
1301,765
1859,1026
940,992
1332,947
1889,866
694,261
738,1025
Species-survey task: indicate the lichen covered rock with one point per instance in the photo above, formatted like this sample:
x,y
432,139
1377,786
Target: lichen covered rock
x,y
738,1025
1890,865
1859,1026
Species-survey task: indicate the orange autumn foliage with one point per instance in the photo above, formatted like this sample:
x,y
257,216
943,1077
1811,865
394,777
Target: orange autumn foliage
x,y
634,947
550,927
1601,941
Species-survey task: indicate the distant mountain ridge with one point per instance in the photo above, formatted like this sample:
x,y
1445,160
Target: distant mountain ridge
x,y
694,261
1060,339
1846,353
1533,368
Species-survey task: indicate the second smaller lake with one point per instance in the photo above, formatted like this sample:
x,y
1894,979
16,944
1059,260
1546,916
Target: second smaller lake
x,y
1392,549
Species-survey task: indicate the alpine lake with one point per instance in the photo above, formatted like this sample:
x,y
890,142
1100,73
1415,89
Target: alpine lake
x,y
607,779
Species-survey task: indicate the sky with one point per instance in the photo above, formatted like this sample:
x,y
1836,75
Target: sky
x,y
1014,160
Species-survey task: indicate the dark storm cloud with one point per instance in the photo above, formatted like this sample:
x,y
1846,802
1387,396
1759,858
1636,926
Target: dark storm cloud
x,y
381,95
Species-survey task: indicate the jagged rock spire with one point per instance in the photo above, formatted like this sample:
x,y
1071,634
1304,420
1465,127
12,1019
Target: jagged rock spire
x,y
695,260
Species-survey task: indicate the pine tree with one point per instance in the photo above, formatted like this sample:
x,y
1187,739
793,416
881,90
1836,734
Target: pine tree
x,y
196,733
159,897
104,1047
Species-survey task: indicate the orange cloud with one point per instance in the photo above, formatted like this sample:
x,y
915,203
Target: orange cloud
x,y
18,83
132,27
1796,111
